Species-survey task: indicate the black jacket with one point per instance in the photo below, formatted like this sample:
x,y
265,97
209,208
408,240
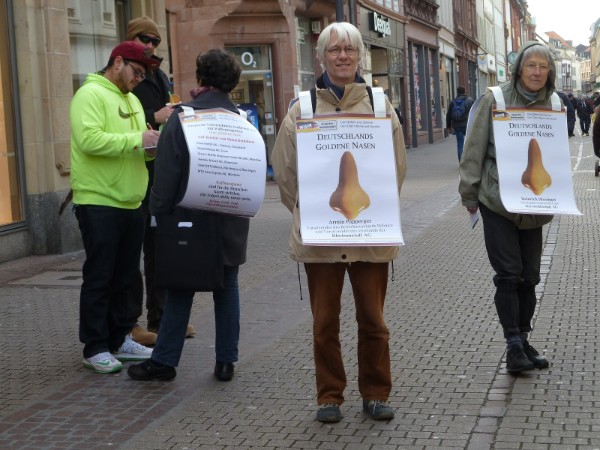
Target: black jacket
x,y
584,109
171,176
153,93
569,106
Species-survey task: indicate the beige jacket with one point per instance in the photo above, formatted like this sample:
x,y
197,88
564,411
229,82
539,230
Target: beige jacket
x,y
356,100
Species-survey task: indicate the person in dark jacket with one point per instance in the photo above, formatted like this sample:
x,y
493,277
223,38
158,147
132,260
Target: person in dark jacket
x,y
456,122
596,133
217,73
153,93
570,113
573,101
584,112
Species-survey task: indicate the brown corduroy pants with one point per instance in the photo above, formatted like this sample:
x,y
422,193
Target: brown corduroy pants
x,y
369,285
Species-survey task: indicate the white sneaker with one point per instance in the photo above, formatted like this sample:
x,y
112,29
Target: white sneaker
x,y
103,363
132,351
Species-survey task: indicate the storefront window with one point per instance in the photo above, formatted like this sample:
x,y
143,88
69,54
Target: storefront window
x,y
95,28
389,4
304,50
254,93
11,205
432,90
418,87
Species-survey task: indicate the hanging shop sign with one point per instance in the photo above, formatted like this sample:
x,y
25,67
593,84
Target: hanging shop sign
x,y
380,24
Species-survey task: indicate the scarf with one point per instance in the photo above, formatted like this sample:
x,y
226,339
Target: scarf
x,y
337,90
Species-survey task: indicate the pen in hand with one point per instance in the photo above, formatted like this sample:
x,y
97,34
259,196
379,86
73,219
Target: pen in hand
x,y
151,148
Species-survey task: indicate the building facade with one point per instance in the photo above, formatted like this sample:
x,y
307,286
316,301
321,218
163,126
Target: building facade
x,y
418,51
47,48
465,38
426,121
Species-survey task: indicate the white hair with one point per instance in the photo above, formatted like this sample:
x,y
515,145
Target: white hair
x,y
346,33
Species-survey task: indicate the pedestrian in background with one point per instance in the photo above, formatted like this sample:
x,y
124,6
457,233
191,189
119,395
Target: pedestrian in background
x,y
513,241
573,101
584,112
218,73
109,179
154,94
340,49
457,117
570,113
596,133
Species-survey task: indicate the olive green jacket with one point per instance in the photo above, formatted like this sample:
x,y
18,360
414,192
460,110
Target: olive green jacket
x,y
478,169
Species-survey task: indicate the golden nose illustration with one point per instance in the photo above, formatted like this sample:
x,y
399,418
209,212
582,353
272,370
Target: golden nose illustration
x,y
349,198
535,176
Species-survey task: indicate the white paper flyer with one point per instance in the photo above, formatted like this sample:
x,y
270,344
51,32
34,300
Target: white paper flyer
x,y
534,164
347,181
227,163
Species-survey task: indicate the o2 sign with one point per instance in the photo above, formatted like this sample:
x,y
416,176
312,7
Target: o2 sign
x,y
248,60
252,57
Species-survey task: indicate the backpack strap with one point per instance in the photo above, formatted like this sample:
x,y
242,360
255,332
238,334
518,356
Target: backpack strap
x,y
555,99
377,101
305,99
499,96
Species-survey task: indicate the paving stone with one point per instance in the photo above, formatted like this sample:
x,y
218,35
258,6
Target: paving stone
x,y
451,389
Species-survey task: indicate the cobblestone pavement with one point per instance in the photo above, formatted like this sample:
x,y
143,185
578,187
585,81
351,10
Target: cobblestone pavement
x,y
451,389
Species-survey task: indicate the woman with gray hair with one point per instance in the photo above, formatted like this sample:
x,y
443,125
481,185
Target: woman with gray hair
x,y
341,89
513,241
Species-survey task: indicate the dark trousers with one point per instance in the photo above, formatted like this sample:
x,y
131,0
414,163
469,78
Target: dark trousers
x,y
515,256
369,286
571,126
178,307
585,122
155,298
460,140
112,239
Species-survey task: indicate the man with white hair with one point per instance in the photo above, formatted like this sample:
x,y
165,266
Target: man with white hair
x,y
341,89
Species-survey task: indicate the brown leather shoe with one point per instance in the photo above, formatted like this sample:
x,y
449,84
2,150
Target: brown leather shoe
x,y
190,332
143,336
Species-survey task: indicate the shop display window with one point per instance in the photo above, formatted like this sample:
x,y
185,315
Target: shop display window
x,y
11,199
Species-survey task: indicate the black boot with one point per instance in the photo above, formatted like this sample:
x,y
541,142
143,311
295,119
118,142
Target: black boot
x,y
539,362
516,359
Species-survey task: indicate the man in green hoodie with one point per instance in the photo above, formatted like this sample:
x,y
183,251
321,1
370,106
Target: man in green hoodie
x,y
109,145
513,241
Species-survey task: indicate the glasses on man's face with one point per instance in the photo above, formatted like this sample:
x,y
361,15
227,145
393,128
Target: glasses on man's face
x,y
145,39
137,73
336,51
531,67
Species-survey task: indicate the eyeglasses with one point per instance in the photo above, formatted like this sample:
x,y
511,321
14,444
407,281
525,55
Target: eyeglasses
x,y
336,51
137,73
541,67
145,39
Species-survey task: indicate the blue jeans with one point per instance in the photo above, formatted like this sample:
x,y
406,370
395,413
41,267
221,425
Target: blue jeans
x,y
460,140
112,238
176,316
515,256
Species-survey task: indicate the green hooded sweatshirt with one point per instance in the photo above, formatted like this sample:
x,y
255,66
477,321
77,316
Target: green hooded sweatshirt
x,y
478,169
107,157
